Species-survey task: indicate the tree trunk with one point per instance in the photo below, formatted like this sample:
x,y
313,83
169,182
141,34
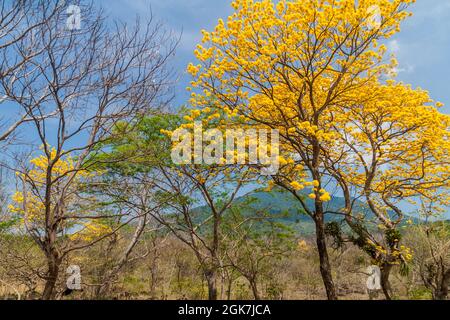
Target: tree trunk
x,y
114,271
52,276
325,267
385,284
211,279
154,277
254,287
229,287
442,292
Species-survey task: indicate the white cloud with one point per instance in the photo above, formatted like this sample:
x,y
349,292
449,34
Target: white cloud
x,y
394,46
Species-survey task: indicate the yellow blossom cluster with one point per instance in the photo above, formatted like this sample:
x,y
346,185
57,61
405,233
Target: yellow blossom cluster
x,y
91,231
30,205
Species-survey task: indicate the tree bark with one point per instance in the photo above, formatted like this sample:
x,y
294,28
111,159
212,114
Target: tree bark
x,y
254,287
52,277
211,279
325,267
442,292
385,284
154,276
229,287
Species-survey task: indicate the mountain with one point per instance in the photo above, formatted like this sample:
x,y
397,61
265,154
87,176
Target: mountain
x,y
287,209
284,207
280,201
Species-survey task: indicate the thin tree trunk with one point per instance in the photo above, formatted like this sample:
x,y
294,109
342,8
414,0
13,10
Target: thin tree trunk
x,y
229,287
113,273
154,276
52,276
385,284
211,279
325,267
254,286
442,293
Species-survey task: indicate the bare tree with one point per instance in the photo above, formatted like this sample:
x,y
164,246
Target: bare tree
x,y
74,92
133,194
19,22
254,241
200,227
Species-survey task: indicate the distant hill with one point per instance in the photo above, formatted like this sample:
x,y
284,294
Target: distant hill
x,y
285,208
280,201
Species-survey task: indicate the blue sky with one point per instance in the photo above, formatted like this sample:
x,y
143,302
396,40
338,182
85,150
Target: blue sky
x,y
422,46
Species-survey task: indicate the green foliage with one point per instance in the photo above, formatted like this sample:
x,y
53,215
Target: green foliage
x,y
274,291
393,237
420,293
8,224
333,229
405,269
137,147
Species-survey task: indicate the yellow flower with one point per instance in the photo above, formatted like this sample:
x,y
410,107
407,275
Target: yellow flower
x,y
302,246
193,70
325,197
29,204
91,231
297,186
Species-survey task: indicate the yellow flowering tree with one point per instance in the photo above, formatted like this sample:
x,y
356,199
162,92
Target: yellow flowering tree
x,y
302,67
55,210
393,150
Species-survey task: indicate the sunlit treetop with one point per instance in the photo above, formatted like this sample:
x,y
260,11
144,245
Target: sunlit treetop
x,y
306,68
281,50
286,64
